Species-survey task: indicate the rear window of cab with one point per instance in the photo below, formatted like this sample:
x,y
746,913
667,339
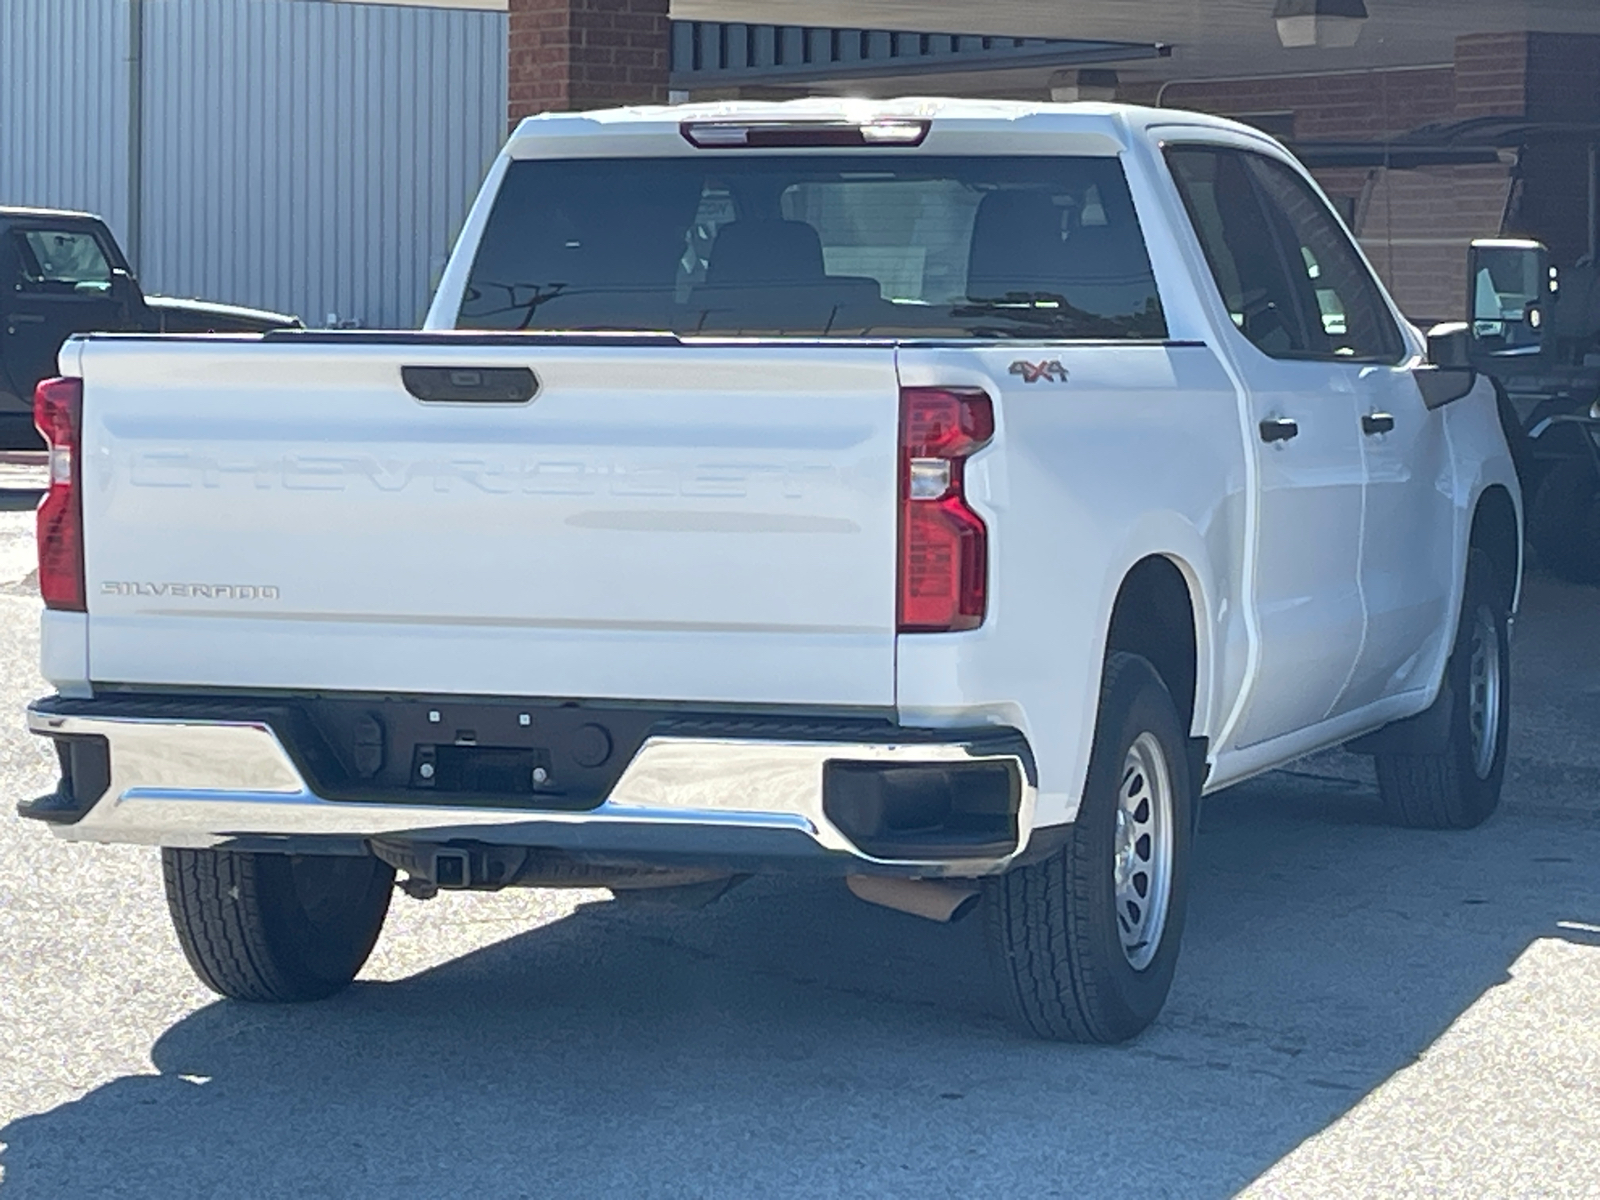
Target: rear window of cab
x,y
847,245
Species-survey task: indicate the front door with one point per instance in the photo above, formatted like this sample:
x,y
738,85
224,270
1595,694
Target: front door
x,y
60,284
1408,571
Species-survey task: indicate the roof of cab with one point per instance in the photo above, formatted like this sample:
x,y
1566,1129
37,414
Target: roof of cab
x,y
1098,128
8,210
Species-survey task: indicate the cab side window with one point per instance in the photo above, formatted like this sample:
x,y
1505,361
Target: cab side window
x,y
1246,262
1289,276
1348,316
61,262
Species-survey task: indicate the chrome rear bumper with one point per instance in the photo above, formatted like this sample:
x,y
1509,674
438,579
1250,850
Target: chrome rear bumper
x,y
200,784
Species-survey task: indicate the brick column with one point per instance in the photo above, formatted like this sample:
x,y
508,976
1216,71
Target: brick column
x,y
574,54
1491,75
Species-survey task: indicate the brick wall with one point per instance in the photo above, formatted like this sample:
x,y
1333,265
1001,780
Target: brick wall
x,y
1357,105
576,54
1415,225
1491,75
1416,228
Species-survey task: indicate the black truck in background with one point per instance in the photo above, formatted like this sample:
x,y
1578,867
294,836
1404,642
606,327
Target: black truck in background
x,y
1532,317
63,273
1535,331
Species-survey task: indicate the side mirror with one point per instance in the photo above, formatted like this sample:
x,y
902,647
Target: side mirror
x,y
1509,287
123,288
1450,345
1443,385
1448,374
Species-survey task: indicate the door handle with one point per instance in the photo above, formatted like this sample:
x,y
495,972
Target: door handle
x,y
467,385
1377,422
1279,429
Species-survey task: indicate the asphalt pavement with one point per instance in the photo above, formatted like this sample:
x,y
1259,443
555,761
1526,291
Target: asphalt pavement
x,y
1359,1011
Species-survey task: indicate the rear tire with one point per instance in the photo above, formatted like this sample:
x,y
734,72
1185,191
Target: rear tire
x,y
276,928
1085,951
1459,787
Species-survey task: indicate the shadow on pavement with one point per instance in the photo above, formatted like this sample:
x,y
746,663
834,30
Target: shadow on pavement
x,y
791,1040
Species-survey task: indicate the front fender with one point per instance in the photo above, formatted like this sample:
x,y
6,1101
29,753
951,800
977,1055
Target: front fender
x,y
1483,460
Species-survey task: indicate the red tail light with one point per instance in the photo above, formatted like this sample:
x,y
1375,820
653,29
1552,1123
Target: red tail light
x,y
944,545
58,412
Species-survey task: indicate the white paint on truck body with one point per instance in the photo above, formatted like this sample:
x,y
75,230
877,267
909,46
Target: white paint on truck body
x,y
715,520
659,523
1089,472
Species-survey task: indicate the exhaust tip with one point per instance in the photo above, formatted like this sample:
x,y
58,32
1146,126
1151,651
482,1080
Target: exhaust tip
x,y
945,901
966,906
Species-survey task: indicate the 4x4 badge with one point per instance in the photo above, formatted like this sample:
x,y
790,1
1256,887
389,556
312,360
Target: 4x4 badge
x,y
1051,371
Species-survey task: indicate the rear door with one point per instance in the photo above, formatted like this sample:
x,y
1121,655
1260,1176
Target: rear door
x,y
661,521
1310,476
1408,530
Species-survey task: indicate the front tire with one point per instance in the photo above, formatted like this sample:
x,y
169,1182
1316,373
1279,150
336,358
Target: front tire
x,y
1086,941
276,928
1459,786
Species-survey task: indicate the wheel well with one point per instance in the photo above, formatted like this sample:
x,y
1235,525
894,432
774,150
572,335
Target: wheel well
x,y
1494,531
1154,616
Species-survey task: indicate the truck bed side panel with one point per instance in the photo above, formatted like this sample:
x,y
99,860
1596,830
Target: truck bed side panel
x,y
1138,452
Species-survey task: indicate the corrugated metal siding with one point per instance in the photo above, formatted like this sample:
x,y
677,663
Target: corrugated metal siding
x,y
310,157
315,158
64,105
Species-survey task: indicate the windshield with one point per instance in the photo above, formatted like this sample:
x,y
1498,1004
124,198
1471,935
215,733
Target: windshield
x,y
817,246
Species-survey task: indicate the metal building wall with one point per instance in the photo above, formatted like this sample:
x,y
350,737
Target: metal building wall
x,y
311,157
64,105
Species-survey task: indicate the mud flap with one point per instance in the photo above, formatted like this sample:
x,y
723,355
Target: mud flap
x,y
1199,769
1426,733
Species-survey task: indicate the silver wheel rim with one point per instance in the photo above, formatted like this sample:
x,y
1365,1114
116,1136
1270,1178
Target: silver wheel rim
x,y
1483,692
1143,862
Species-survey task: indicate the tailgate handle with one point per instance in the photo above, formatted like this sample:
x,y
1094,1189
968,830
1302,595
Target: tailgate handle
x,y
471,385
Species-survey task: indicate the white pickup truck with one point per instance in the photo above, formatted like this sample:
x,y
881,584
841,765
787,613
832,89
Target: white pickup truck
x,y
939,495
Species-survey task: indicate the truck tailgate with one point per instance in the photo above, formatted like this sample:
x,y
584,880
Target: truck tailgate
x,y
684,522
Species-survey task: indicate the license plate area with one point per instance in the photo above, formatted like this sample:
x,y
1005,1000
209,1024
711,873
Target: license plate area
x,y
475,753
509,771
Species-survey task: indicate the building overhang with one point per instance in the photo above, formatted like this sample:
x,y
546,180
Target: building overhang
x,y
1476,140
718,54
